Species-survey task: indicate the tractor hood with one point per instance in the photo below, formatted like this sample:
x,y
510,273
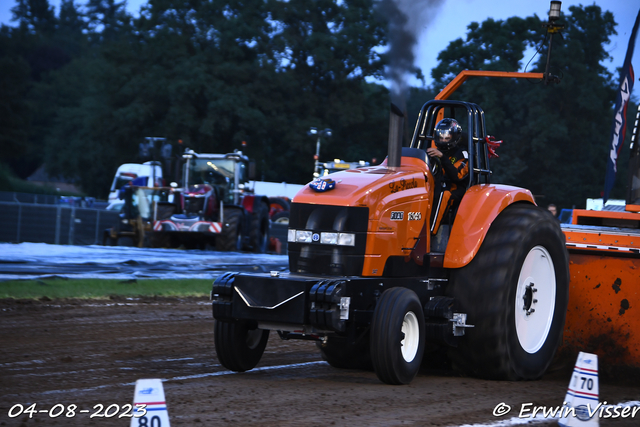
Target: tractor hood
x,y
373,187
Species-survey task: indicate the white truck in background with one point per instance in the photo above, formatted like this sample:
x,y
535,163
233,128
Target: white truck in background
x,y
275,189
130,171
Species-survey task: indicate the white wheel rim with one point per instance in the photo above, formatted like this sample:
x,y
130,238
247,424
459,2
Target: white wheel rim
x,y
535,299
411,340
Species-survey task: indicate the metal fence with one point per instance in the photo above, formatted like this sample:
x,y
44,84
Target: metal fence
x,y
42,218
51,199
51,223
46,199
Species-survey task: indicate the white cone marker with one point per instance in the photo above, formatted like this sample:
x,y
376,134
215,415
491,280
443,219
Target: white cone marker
x,y
582,401
149,405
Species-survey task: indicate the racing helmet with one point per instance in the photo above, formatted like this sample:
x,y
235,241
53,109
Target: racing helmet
x,y
447,134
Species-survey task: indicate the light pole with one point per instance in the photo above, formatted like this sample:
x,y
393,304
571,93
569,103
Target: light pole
x,y
326,133
552,28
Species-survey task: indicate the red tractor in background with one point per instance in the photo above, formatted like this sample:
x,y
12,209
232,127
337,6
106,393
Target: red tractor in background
x,y
216,205
214,208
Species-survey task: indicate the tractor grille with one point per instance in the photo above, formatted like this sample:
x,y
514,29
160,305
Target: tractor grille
x,y
328,259
194,204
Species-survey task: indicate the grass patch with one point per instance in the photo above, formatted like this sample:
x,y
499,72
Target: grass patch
x,y
99,288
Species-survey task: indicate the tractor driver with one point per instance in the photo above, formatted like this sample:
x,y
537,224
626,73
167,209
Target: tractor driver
x,y
453,164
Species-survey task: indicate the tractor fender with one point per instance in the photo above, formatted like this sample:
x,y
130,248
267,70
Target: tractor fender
x,y
479,207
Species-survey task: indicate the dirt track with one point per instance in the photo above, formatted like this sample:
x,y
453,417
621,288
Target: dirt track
x,y
87,353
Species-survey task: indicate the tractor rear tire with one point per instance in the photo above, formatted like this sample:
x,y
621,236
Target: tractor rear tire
x,y
281,217
259,232
280,203
515,292
343,353
239,348
230,240
397,336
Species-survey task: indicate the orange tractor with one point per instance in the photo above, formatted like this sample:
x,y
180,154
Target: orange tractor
x,y
373,282
379,282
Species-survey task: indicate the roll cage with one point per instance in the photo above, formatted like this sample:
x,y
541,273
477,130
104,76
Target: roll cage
x,y
474,134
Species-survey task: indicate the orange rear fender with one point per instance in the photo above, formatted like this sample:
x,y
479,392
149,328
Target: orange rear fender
x,y
478,209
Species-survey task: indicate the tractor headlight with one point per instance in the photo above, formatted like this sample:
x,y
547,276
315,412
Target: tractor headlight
x,y
340,239
346,239
329,238
326,237
303,236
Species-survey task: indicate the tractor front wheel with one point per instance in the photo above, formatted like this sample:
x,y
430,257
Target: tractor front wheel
x,y
397,336
238,347
230,240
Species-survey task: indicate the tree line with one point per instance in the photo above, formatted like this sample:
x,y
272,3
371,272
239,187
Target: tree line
x,y
83,87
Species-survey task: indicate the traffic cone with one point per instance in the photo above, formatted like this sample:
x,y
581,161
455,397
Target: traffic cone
x,y
149,405
582,402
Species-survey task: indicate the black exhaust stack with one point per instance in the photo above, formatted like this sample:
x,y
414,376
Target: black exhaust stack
x,y
396,120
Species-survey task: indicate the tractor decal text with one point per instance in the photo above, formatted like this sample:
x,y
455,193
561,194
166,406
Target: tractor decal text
x,y
397,215
415,216
402,185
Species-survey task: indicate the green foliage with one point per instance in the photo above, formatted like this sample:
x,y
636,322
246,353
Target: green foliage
x,y
102,289
555,136
36,16
15,117
492,45
80,91
39,45
209,73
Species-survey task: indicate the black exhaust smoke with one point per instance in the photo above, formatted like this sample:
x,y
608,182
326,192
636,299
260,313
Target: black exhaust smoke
x,y
396,121
406,20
